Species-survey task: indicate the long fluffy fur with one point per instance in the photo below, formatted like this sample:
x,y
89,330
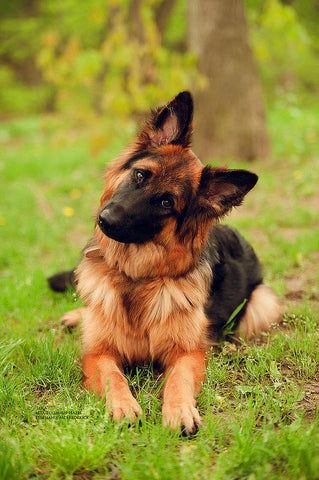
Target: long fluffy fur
x,y
263,310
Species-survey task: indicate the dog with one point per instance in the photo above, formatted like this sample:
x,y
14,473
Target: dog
x,y
161,277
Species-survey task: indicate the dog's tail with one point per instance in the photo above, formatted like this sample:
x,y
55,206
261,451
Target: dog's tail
x,y
263,310
62,281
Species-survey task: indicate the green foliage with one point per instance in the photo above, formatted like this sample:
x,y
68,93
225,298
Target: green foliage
x,y
175,32
308,13
20,87
114,57
229,327
284,50
17,96
102,56
117,64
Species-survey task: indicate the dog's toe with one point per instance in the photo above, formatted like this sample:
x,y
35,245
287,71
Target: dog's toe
x,y
126,409
184,417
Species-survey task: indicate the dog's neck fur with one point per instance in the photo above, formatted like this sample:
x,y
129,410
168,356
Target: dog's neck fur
x,y
148,260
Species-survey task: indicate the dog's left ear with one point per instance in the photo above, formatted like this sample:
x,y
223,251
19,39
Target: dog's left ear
x,y
220,189
171,124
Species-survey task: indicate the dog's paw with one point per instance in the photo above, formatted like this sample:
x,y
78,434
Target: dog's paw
x,y
125,408
72,318
183,416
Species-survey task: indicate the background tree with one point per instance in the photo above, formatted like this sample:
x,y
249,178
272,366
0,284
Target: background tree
x,y
231,117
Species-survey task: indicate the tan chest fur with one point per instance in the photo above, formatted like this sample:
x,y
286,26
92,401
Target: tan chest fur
x,y
142,319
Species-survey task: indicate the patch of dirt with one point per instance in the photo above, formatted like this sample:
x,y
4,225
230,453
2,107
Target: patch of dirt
x,y
259,239
296,287
311,201
295,295
290,233
302,282
310,401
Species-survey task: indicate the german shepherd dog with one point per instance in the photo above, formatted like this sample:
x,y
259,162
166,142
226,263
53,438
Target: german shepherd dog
x,y
160,278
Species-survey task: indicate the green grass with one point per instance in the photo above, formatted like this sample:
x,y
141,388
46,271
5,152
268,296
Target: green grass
x,y
260,401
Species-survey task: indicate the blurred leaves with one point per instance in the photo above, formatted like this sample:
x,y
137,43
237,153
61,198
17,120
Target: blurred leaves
x,y
97,57
284,49
120,57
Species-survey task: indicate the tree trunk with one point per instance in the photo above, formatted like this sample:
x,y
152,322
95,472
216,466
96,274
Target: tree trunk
x,y
230,120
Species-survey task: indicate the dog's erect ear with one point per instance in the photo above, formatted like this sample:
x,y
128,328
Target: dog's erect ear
x,y
220,189
171,124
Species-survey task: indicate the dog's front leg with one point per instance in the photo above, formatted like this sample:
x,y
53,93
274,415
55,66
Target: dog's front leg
x,y
103,375
185,373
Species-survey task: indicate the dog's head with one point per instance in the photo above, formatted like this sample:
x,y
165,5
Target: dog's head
x,y
159,186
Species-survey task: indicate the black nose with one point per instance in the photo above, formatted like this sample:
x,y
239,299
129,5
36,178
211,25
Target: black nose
x,y
110,218
106,220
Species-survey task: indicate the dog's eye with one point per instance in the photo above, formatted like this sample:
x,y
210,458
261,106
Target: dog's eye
x,y
167,202
139,176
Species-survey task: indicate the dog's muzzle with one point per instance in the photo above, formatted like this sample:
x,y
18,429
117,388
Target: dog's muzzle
x,y
110,219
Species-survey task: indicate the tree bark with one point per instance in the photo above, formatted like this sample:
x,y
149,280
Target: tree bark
x,y
230,115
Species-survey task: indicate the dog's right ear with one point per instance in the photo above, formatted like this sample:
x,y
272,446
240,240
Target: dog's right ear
x,y
171,124
220,189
